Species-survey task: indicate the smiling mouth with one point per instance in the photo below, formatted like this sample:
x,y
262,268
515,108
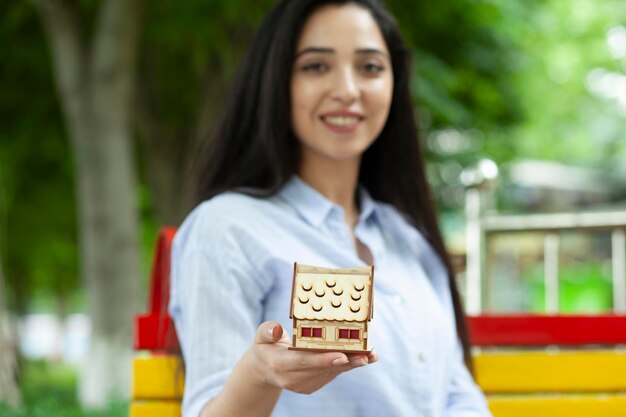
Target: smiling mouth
x,y
342,121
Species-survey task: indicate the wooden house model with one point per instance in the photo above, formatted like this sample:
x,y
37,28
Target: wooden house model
x,y
331,308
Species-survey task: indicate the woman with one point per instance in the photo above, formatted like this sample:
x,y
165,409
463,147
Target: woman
x,y
317,161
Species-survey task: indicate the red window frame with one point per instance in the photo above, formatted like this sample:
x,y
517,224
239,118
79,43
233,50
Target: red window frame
x,y
349,334
312,332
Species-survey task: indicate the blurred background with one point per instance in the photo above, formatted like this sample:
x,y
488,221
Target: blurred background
x,y
105,105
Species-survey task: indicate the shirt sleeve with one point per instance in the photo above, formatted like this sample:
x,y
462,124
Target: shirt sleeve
x,y
465,399
216,305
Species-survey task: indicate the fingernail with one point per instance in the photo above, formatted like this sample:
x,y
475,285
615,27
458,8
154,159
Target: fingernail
x,y
340,361
270,331
357,362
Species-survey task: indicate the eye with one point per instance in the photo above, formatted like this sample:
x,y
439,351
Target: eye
x,y
372,68
315,67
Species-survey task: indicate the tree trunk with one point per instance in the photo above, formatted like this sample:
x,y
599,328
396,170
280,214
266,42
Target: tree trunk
x,y
9,391
96,86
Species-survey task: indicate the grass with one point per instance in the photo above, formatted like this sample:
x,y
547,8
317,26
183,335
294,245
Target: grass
x,y
51,408
49,390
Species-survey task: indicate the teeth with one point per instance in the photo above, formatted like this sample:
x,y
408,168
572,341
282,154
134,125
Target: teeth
x,y
341,120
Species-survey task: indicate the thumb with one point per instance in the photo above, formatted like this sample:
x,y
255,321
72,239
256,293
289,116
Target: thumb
x,y
269,332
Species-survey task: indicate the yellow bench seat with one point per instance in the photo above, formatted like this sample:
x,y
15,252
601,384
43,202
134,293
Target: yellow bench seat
x,y
538,383
139,408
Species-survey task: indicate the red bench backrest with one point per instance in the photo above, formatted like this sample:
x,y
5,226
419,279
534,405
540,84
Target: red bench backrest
x,y
541,330
155,331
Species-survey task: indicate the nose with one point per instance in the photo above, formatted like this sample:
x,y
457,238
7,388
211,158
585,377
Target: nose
x,y
345,88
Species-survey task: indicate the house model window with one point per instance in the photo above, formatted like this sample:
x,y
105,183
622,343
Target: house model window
x,y
349,334
331,308
312,332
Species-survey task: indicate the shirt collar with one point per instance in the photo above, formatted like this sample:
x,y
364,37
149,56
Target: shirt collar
x,y
315,208
369,207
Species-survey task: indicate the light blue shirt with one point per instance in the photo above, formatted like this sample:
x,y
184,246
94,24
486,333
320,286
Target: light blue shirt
x,y
232,269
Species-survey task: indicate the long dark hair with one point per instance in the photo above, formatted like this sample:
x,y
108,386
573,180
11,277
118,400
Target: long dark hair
x,y
254,146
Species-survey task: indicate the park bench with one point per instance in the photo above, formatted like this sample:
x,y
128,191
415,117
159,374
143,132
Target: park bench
x,y
157,381
529,366
551,366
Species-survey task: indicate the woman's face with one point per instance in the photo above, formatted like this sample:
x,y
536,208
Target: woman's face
x,y
342,82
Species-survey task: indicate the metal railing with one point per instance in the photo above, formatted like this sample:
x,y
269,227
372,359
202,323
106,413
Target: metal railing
x,y
482,223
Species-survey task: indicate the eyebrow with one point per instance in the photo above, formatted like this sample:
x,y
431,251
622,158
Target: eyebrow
x,y
362,51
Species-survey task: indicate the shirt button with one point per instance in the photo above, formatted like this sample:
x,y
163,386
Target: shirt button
x,y
421,357
398,299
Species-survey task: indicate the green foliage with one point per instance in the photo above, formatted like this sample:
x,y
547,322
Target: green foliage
x,y
185,45
49,390
466,52
37,209
497,79
49,381
464,56
584,288
49,408
511,79
564,41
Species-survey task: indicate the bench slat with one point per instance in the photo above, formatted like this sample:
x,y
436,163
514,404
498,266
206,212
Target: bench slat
x,y
155,409
502,330
160,279
539,330
573,371
570,406
155,332
500,372
501,406
155,377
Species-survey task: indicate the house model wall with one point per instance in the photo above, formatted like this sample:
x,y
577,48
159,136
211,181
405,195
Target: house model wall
x,y
331,308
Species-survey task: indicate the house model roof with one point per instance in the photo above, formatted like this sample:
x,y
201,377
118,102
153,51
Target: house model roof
x,y
342,294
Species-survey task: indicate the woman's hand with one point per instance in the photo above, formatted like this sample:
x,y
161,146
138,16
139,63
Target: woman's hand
x,y
268,367
275,366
